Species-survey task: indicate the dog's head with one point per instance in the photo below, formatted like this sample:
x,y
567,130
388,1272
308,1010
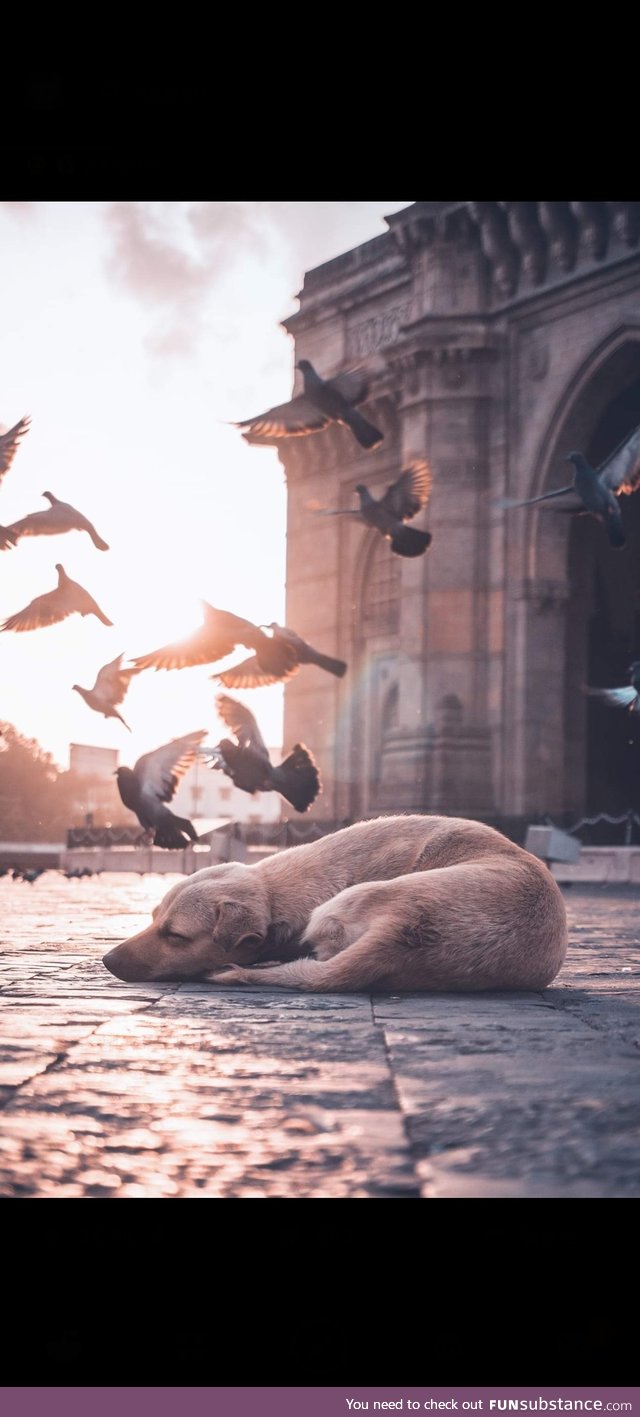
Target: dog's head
x,y
217,917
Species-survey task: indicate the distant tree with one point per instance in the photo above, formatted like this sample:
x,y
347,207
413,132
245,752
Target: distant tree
x,y
38,801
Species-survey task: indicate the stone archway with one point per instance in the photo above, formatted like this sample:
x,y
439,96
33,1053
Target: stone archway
x,y
584,617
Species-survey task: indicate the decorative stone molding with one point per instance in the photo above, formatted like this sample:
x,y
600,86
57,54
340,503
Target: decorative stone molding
x,y
626,221
527,235
592,217
561,227
377,331
497,245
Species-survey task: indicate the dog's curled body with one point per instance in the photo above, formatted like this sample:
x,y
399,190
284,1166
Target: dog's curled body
x,y
399,902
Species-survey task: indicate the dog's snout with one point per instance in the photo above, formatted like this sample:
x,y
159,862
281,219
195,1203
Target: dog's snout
x,y
118,963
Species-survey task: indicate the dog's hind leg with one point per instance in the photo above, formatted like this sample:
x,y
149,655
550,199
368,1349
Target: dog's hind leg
x,y
365,963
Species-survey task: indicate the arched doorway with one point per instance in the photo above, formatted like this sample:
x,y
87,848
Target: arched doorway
x,y
603,621
601,631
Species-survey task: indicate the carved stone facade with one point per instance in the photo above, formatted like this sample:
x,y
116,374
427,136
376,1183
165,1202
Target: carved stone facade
x,y
500,335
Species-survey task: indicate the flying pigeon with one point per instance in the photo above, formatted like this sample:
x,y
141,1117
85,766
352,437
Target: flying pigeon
x,y
275,659
8,538
401,501
324,401
626,697
57,518
109,689
9,444
248,765
66,599
153,781
598,489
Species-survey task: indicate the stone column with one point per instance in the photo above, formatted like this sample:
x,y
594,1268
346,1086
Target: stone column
x,y
534,768
445,632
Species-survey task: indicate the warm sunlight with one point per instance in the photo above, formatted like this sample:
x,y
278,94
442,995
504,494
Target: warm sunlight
x,y
133,335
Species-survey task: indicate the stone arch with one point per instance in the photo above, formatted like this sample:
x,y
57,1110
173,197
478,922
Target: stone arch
x,y
576,602
577,413
378,585
376,597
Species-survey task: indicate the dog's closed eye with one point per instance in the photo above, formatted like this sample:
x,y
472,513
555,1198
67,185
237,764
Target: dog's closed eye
x,y
175,937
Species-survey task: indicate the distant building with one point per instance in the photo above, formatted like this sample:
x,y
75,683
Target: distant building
x,y
89,761
501,336
98,794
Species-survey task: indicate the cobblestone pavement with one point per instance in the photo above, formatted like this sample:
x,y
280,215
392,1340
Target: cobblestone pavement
x,y
116,1090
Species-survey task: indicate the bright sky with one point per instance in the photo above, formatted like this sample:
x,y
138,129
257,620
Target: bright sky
x,y
130,333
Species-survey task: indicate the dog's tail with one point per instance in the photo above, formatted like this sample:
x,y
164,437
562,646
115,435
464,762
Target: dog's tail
x,y
362,965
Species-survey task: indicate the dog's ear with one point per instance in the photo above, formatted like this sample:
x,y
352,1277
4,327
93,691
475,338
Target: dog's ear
x,y
239,929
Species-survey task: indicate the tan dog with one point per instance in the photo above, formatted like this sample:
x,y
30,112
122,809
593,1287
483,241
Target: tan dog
x,y
490,913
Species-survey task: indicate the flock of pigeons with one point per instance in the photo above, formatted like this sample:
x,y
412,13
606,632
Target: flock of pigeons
x,y
275,657
31,874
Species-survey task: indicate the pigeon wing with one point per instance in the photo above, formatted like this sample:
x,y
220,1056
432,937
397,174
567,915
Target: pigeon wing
x,y
241,722
352,385
286,420
179,655
405,497
249,675
621,470
217,637
112,681
616,698
34,524
226,630
46,609
505,503
160,772
9,444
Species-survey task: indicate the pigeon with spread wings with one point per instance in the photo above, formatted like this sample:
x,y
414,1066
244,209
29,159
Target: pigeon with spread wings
x,y
152,781
628,696
324,401
402,500
275,658
256,672
67,599
596,490
56,519
109,689
247,760
9,443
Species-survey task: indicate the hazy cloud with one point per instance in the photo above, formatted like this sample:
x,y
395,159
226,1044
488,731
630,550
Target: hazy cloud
x,y
171,256
19,209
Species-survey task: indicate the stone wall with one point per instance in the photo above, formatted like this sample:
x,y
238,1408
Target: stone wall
x,y
495,335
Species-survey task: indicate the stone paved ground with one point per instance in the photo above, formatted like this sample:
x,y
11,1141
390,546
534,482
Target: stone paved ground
x,y
115,1090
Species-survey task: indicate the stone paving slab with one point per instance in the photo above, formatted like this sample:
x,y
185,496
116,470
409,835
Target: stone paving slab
x,y
119,1091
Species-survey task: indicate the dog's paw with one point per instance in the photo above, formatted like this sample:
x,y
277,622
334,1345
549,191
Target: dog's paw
x,y
234,975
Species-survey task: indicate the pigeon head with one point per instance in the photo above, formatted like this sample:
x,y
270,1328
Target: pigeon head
x,y
635,667
303,365
77,688
578,459
49,496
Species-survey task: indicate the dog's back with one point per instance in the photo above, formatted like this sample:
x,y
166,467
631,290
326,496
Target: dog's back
x,y
475,912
